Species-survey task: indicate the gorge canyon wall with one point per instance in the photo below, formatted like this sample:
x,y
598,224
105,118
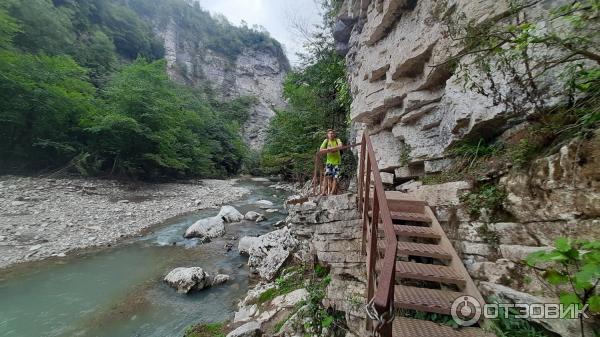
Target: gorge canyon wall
x,y
409,96
254,72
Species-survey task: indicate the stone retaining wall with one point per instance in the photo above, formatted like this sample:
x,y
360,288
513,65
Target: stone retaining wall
x,y
331,227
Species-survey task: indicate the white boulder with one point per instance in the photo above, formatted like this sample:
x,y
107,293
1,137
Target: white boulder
x,y
253,294
264,203
245,243
220,279
186,279
291,299
270,264
250,329
206,228
245,313
252,216
230,214
269,251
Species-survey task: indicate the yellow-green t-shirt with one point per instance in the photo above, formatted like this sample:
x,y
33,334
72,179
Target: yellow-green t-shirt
x,y
333,158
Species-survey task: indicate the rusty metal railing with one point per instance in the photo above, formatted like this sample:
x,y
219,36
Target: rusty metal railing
x,y
375,213
380,287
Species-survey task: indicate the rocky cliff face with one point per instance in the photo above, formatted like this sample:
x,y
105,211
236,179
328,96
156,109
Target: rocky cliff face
x,y
415,107
257,73
406,91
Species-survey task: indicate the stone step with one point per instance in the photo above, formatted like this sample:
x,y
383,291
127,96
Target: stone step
x,y
402,202
410,327
423,299
426,272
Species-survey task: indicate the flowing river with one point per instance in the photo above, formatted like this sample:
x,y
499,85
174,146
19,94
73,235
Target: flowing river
x,y
119,291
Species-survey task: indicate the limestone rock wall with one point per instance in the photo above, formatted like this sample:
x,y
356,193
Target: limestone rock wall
x,y
404,90
332,228
415,107
558,196
255,73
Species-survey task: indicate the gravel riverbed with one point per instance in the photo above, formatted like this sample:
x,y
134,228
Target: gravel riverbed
x,y
42,217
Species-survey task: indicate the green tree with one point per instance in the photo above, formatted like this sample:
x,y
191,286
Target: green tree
x,y
151,127
133,121
318,100
98,53
573,268
131,35
41,101
8,28
44,27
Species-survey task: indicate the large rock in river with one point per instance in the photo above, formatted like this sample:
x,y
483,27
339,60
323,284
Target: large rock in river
x,y
253,216
220,279
230,214
206,228
245,243
268,252
186,279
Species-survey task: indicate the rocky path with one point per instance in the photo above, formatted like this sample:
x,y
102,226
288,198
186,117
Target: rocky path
x,y
42,217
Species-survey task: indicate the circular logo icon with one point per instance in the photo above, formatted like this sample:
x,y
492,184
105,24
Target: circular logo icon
x,y
466,310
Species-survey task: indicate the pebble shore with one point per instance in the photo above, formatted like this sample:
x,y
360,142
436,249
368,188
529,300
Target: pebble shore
x,y
41,217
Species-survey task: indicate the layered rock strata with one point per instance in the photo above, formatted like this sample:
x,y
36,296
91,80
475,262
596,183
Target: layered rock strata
x,y
331,227
413,103
257,73
407,92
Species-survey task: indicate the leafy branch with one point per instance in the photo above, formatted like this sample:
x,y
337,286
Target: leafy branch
x,y
522,52
573,268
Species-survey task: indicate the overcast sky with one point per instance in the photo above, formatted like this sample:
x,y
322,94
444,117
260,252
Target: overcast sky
x,y
277,16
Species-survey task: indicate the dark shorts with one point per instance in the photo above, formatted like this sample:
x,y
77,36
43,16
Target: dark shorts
x,y
332,171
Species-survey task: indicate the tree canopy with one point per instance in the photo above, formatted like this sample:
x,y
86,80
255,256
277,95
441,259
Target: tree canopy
x,y
83,85
319,99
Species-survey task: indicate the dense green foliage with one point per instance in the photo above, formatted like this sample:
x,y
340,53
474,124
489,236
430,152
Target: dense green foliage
x,y
574,264
573,269
318,99
150,125
42,99
82,84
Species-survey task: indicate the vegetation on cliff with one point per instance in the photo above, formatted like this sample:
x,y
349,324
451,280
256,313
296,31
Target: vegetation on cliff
x,y
544,70
318,99
84,86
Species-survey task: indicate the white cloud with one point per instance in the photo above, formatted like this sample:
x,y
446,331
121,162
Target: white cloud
x,y
277,16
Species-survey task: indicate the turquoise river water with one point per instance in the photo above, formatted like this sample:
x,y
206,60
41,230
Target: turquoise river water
x,y
118,291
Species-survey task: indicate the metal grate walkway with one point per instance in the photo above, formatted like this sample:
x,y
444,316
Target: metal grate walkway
x,y
428,277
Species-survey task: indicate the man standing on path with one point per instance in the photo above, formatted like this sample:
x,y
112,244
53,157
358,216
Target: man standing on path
x,y
332,164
